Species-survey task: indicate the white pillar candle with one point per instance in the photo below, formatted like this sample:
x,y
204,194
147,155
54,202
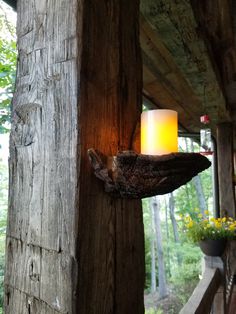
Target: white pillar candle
x,y
159,132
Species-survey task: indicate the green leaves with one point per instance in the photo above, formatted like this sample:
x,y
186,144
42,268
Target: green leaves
x,y
8,56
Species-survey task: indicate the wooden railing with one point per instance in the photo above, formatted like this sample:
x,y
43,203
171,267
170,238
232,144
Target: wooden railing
x,y
214,292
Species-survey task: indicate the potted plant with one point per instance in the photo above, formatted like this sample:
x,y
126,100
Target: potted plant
x,y
210,233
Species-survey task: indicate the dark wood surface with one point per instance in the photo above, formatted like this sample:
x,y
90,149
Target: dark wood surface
x,y
110,232
225,169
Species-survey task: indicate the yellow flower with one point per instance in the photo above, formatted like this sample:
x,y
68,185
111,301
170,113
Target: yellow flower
x,y
218,224
190,224
208,225
199,215
187,218
224,219
231,227
206,212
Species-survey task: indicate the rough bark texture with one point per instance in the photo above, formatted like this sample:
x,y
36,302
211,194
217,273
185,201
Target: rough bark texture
x,y
225,168
71,248
131,175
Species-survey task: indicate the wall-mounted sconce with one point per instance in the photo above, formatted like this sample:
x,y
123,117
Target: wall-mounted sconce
x,y
159,169
159,132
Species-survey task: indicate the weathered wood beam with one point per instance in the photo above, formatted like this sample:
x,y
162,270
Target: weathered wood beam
x,y
71,248
226,168
175,23
215,23
163,81
203,295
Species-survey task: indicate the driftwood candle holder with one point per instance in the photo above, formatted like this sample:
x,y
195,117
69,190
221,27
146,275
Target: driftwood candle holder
x,y
131,175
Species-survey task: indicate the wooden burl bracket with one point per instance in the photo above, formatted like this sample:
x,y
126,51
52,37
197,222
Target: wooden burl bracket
x,y
132,175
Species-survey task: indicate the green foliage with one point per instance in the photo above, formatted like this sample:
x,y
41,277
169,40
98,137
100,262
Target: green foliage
x,y
152,311
8,58
200,228
183,258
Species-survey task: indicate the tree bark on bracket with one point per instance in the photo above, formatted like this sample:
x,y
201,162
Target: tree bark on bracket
x,y
71,248
226,168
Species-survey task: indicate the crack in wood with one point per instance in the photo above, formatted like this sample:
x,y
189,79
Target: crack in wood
x,y
32,299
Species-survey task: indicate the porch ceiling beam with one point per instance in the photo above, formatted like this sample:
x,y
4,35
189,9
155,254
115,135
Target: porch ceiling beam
x,y
176,26
216,24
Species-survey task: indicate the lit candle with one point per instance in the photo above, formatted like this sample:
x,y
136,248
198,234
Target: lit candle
x,y
159,132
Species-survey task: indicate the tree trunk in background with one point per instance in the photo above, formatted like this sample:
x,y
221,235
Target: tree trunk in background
x,y
226,168
199,189
153,255
71,248
172,217
174,224
161,266
168,270
200,194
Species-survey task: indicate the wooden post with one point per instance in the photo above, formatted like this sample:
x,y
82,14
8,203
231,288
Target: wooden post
x,y
71,248
226,168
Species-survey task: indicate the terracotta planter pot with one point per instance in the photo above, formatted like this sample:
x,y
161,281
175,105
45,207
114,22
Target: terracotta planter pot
x,y
213,247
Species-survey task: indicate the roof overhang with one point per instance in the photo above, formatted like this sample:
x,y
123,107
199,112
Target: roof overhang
x,y
12,3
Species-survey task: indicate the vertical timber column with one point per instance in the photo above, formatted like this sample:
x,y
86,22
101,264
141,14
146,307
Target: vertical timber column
x,y
110,246
41,261
226,168
70,247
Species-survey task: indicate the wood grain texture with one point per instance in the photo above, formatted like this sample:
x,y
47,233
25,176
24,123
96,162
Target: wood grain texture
x,y
41,246
225,168
216,21
163,80
70,247
111,244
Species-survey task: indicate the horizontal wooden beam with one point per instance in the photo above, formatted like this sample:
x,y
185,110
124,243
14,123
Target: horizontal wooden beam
x,y
202,298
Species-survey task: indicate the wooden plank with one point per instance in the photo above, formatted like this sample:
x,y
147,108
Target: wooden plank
x,y
226,168
201,300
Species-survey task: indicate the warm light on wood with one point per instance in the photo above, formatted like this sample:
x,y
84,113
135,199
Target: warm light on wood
x,y
159,132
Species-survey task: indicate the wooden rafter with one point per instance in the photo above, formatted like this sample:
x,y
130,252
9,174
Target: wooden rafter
x,y
175,24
